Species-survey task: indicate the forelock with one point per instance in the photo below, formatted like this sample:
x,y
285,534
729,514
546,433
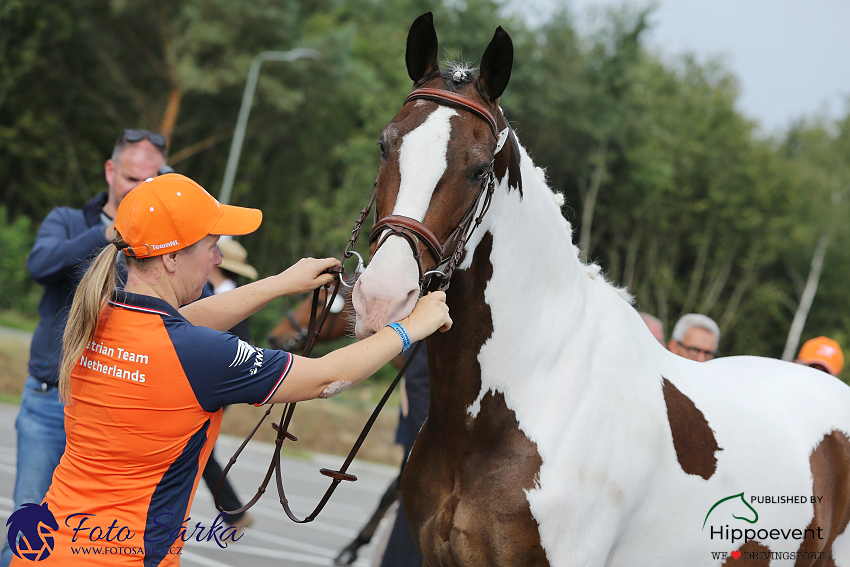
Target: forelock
x,y
458,74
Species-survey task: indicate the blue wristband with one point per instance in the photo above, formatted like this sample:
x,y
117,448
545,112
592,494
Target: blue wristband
x,y
402,333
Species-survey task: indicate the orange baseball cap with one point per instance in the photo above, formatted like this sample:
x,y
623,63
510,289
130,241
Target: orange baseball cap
x,y
823,351
171,212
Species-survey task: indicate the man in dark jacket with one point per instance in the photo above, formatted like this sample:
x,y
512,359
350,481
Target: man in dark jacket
x,y
66,242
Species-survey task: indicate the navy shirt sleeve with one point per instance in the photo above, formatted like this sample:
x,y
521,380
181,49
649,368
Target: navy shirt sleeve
x,y
57,250
224,370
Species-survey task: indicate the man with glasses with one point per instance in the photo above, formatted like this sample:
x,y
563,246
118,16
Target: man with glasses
x,y
67,240
695,337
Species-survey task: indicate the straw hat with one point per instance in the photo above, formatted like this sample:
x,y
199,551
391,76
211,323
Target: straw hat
x,y
233,259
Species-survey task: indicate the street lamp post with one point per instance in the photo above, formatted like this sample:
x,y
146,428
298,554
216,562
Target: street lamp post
x,y
245,109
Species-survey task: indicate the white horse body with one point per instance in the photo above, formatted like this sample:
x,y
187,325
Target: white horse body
x,y
584,377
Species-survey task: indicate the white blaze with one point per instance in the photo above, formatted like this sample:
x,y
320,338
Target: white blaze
x,y
388,289
422,162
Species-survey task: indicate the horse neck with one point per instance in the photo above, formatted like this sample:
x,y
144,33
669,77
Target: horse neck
x,y
520,267
534,264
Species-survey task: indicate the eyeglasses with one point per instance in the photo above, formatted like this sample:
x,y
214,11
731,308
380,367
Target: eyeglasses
x,y
133,135
694,351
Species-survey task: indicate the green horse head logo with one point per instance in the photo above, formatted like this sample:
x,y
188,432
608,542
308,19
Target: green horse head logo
x,y
722,500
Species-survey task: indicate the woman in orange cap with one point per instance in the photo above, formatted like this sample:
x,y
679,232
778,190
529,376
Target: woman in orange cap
x,y
146,371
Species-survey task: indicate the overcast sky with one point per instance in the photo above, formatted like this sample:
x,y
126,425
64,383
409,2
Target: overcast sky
x,y
791,57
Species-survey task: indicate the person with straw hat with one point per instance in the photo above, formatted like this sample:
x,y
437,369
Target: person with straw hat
x,y
145,372
234,263
224,278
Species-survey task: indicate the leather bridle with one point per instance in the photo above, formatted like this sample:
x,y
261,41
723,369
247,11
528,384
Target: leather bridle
x,y
446,254
414,232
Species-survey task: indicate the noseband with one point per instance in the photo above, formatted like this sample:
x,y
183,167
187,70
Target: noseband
x,y
448,253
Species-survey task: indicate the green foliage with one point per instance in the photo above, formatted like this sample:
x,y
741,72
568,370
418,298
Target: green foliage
x,y
676,196
19,291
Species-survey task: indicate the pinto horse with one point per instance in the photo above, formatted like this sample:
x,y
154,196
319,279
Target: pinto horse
x,y
560,432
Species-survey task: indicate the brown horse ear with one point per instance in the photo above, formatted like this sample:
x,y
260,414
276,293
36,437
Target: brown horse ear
x,y
421,54
496,65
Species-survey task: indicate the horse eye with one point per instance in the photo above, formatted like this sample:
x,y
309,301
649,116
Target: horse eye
x,y
383,149
480,172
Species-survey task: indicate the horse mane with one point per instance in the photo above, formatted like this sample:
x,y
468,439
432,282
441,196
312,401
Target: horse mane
x,y
591,269
457,74
594,272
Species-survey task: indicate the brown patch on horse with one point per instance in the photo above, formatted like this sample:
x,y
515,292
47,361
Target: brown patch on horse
x,y
752,554
693,439
464,484
830,463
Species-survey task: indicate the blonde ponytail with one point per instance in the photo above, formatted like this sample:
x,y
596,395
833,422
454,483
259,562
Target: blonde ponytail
x,y
88,306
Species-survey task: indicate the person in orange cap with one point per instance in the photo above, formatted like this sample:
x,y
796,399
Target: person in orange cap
x,y
145,373
66,241
822,353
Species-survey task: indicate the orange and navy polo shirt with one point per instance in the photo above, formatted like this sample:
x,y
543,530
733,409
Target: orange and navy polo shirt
x,y
147,398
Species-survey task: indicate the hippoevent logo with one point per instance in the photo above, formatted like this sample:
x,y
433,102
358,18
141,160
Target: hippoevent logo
x,y
35,524
734,496
737,536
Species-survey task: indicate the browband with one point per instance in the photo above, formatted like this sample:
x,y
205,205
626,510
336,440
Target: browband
x,y
448,97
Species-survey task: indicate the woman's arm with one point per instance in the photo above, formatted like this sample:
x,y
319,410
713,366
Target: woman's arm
x,y
225,310
337,371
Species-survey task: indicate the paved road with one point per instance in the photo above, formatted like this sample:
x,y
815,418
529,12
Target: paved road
x,y
273,539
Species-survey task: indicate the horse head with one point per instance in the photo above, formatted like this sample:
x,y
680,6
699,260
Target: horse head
x,y
448,141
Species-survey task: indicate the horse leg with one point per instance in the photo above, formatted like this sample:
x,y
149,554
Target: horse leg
x,y
349,555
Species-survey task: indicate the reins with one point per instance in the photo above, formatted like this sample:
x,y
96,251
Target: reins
x,y
282,428
413,232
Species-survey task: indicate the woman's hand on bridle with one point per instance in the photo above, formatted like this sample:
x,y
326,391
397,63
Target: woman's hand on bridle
x,y
307,274
430,314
